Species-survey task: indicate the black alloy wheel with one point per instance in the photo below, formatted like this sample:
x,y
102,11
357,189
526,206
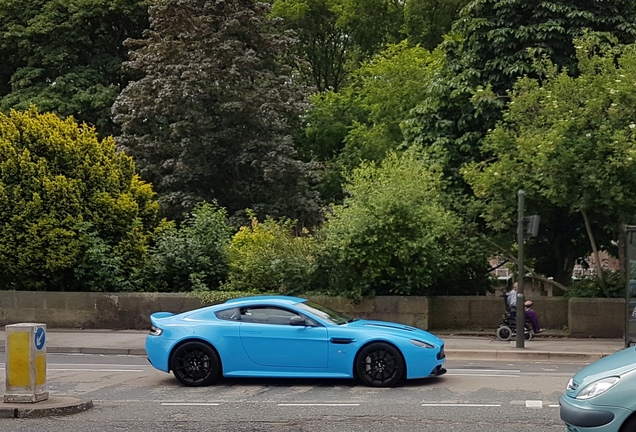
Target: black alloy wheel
x,y
195,364
379,365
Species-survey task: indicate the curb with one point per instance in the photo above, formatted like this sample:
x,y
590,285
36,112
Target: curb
x,y
53,406
511,355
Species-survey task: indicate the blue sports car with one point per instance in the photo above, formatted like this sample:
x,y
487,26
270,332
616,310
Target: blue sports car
x,y
288,337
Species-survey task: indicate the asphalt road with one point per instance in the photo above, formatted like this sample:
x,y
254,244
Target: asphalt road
x,y
130,395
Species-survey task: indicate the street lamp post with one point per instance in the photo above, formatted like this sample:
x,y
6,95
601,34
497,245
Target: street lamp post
x,y
521,312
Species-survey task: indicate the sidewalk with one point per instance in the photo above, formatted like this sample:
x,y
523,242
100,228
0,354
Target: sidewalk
x,y
459,345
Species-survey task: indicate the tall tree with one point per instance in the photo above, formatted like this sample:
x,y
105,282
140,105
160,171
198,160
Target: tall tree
x,y
212,116
65,55
493,44
362,121
337,35
571,143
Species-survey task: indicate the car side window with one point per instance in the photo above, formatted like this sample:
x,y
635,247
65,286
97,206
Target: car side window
x,y
231,314
266,315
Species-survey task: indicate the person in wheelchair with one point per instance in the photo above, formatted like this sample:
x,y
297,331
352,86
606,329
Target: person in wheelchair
x,y
532,317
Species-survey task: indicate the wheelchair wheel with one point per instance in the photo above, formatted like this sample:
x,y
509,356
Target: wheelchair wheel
x,y
527,335
504,333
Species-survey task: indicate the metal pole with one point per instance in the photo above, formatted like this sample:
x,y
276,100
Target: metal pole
x,y
521,312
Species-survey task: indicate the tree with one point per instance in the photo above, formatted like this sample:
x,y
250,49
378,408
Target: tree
x,y
66,56
337,35
493,43
394,235
362,122
60,188
570,142
212,117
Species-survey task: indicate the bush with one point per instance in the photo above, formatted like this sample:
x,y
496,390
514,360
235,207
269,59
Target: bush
x,y
394,235
589,287
63,194
267,257
190,257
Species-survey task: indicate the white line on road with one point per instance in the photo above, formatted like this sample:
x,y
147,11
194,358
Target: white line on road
x,y
94,370
188,404
459,405
317,404
483,375
534,404
487,370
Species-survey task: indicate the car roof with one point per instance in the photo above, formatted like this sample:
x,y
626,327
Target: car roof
x,y
282,300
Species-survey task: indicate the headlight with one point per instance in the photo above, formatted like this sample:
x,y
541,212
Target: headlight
x,y
597,387
421,344
155,331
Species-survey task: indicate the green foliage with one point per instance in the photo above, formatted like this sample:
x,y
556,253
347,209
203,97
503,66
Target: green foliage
x,y
362,122
190,257
570,143
216,297
267,257
336,35
212,117
102,268
493,43
63,193
66,56
395,236
589,287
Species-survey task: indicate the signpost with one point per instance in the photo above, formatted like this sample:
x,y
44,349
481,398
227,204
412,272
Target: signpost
x,y
525,225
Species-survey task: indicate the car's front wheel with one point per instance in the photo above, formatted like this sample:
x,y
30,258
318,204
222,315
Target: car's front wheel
x,y
379,365
195,364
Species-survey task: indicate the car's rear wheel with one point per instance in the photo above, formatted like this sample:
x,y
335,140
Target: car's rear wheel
x,y
195,364
380,365
504,333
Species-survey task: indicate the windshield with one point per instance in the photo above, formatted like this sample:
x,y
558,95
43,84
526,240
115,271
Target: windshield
x,y
324,312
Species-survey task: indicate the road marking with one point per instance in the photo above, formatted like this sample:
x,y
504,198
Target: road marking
x,y
317,404
554,406
483,375
487,370
188,404
459,405
94,370
534,404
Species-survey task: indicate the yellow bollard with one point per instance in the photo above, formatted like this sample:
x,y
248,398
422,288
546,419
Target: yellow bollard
x,y
25,352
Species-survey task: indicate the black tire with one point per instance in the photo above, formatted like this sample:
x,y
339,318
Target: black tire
x,y
504,333
527,334
379,365
629,425
195,364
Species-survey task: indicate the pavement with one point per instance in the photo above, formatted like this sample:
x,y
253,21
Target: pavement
x,y
550,346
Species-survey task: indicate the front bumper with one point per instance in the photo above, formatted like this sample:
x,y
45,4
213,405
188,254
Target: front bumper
x,y
582,416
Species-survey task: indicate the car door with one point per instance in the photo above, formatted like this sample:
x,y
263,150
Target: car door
x,y
271,341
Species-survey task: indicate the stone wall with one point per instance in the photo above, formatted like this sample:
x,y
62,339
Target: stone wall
x,y
578,317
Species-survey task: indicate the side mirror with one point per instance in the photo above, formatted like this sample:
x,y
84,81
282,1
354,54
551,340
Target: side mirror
x,y
297,321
